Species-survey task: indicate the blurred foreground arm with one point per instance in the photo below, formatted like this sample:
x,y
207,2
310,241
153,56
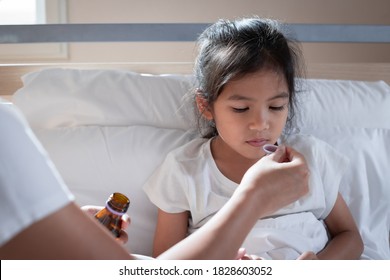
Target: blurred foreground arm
x,y
66,234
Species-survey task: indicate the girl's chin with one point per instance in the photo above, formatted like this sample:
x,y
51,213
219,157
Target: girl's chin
x,y
252,156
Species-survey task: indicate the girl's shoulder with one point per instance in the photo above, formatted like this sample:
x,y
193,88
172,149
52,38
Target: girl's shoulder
x,y
314,149
304,141
191,150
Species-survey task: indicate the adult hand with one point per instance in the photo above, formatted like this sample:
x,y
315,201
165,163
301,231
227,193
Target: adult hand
x,y
276,180
126,221
309,255
242,255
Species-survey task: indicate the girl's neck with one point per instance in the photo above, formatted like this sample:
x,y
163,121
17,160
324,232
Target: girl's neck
x,y
230,163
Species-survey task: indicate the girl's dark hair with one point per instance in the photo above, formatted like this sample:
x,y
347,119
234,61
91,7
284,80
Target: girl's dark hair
x,y
231,49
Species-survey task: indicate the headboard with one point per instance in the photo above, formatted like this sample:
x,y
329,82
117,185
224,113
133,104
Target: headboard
x,y
184,32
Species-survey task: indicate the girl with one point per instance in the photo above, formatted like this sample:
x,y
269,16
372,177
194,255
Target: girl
x,y
246,97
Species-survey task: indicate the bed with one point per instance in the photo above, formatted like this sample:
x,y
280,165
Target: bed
x,y
107,127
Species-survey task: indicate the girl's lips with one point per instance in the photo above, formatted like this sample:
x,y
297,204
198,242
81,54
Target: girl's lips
x,y
258,142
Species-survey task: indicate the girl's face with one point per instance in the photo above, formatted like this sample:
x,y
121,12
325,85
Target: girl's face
x,y
249,113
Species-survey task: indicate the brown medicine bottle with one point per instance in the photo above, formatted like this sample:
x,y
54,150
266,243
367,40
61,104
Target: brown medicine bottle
x,y
111,216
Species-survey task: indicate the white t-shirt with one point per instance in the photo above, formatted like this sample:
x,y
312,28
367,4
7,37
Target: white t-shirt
x,y
189,180
30,186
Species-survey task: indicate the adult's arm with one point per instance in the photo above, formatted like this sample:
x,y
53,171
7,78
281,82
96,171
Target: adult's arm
x,y
68,233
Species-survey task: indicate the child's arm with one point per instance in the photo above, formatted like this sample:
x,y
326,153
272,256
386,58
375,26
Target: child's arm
x,y
346,242
170,229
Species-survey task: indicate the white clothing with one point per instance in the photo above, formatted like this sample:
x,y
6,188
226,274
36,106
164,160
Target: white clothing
x,y
189,180
30,186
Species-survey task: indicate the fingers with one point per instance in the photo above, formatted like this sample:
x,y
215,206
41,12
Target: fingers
x,y
279,155
294,156
294,163
123,237
289,174
286,154
240,253
251,257
299,166
309,255
126,221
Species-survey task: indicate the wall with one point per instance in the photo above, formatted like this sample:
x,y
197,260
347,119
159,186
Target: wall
x,y
293,11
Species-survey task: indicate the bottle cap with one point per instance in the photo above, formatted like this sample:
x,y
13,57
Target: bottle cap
x,y
118,204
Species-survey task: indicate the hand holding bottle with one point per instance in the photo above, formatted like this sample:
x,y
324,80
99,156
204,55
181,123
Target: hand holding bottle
x,y
125,221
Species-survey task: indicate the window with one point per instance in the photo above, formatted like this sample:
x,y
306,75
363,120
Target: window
x,y
32,12
22,12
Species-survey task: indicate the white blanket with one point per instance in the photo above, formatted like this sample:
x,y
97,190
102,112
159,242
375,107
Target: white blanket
x,y
286,237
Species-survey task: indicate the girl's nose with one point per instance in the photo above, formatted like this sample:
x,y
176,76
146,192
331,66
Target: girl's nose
x,y
259,121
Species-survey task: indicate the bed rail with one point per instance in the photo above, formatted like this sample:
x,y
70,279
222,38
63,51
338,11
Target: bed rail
x,y
179,32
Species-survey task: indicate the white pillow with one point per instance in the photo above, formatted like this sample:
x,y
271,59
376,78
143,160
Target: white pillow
x,y
354,117
329,103
70,97
107,130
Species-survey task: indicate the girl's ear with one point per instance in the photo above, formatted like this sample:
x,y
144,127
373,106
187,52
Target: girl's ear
x,y
203,106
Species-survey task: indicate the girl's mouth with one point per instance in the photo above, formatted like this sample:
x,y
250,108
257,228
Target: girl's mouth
x,y
258,143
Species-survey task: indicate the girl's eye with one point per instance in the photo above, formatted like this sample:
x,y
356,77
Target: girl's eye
x,y
277,108
240,110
